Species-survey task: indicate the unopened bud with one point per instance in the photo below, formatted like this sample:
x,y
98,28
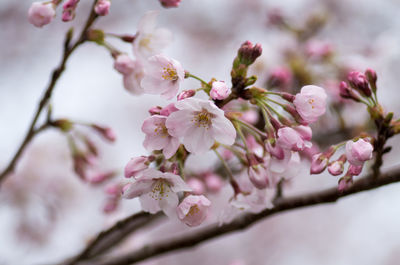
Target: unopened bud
x,y
106,132
102,7
359,81
248,52
186,94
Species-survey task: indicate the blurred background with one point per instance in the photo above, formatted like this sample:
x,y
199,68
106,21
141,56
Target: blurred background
x,y
48,214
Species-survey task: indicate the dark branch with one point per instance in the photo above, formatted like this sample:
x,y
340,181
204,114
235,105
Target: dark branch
x,y
245,221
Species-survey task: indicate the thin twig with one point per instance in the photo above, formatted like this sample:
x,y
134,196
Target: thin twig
x,y
246,220
49,90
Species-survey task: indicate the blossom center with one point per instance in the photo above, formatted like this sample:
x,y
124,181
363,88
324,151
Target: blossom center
x,y
203,119
311,102
160,190
161,130
169,73
193,210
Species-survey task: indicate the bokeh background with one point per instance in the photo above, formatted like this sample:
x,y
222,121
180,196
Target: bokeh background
x,y
48,214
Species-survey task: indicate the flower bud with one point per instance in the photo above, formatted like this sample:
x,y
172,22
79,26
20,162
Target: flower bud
x,y
347,92
69,10
41,14
344,183
124,64
186,94
196,185
213,182
248,52
193,210
359,82
354,170
167,110
106,132
170,3
155,110
290,139
318,163
279,77
219,90
137,165
336,168
372,78
358,152
102,7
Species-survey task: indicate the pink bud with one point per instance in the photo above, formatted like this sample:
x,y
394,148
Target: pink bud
x,y
124,64
354,170
371,76
193,210
336,168
170,3
304,131
358,152
69,10
41,14
113,190
219,90
318,163
102,7
248,52
344,183
275,151
136,165
186,94
155,110
196,185
290,139
170,108
106,132
111,205
100,177
359,82
251,116
213,182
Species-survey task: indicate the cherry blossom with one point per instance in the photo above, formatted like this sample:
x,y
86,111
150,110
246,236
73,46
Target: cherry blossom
x,y
149,39
163,76
102,7
136,165
157,136
132,71
358,152
290,139
219,90
310,103
156,191
193,210
200,123
41,14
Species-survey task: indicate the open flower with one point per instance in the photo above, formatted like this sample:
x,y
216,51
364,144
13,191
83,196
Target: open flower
x,y
310,103
200,123
290,139
162,76
157,136
132,71
156,191
193,210
149,39
358,152
41,14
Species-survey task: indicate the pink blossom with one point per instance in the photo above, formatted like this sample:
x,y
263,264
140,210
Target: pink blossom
x,y
156,191
157,136
136,165
186,94
290,139
149,39
200,123
196,185
213,182
162,76
344,183
336,168
304,131
219,90
167,110
259,176
318,163
102,7
69,10
124,64
106,132
193,210
310,103
354,170
275,151
358,152
359,81
170,3
41,14
132,71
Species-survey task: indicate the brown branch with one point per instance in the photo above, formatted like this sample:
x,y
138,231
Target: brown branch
x,y
110,238
246,220
68,49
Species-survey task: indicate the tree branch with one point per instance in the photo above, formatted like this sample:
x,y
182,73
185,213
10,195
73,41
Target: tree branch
x,y
109,238
68,50
244,221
